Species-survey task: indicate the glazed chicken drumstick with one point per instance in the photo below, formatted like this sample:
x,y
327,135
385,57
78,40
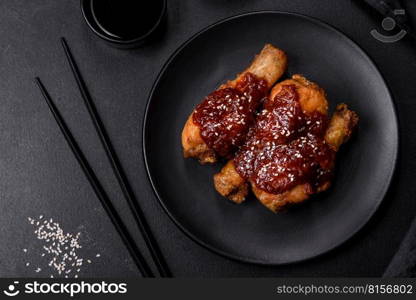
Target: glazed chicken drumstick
x,y
290,151
219,125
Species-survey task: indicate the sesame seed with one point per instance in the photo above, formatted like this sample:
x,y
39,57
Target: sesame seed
x,y
58,246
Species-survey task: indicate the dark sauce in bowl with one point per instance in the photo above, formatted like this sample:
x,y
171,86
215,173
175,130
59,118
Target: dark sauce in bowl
x,y
126,19
124,23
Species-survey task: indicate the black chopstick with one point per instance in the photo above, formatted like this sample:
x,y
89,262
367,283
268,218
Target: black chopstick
x,y
98,189
138,214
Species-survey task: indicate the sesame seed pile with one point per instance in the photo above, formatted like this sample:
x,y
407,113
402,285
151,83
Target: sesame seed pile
x,y
60,248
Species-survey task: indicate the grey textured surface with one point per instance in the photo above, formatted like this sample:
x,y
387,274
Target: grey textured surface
x,y
403,263
40,176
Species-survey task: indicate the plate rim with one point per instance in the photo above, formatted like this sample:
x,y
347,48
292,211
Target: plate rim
x,y
241,258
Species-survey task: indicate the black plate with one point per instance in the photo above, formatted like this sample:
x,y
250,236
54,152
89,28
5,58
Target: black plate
x,y
249,232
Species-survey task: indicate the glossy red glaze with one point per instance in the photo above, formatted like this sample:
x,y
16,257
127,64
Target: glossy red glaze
x,y
225,115
286,147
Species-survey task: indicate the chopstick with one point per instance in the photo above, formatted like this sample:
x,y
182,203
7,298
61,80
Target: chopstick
x,y
127,191
98,189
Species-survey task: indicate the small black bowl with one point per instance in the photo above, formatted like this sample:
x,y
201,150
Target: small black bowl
x,y
88,13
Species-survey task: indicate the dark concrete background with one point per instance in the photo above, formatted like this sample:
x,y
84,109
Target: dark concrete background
x,y
39,175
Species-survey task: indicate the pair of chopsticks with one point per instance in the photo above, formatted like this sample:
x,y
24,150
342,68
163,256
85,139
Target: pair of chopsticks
x,y
115,218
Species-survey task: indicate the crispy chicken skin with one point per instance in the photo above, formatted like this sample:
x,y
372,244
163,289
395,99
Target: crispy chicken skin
x,y
269,64
312,98
230,184
342,125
